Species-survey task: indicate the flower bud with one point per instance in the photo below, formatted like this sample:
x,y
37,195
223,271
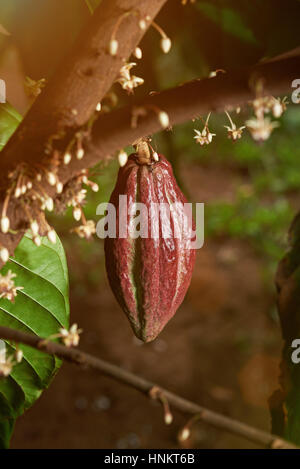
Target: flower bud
x,y
113,47
164,119
4,254
122,157
51,235
5,224
166,44
34,226
67,158
138,53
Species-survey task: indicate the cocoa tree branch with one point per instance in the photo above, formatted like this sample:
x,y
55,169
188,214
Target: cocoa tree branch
x,y
114,131
69,99
140,384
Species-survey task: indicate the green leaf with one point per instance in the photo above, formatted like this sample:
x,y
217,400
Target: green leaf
x,y
92,5
229,20
41,308
9,121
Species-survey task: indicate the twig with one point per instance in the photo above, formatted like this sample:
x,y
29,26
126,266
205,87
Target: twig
x,y
140,384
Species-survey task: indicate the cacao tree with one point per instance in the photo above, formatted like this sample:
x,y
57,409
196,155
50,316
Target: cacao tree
x,y
90,112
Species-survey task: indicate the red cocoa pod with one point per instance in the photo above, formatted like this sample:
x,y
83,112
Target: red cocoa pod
x,y
149,275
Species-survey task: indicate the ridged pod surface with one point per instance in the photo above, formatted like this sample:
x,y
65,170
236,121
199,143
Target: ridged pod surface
x,y
150,274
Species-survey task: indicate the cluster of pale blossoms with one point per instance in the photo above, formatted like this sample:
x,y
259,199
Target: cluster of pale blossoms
x,y
260,126
70,338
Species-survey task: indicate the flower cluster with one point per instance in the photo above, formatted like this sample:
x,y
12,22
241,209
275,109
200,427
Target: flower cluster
x,y
8,289
261,126
86,230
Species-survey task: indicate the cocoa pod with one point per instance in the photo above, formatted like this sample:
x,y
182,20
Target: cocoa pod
x,y
150,274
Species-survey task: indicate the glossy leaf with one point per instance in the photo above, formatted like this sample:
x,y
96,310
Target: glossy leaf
x,y
9,121
42,307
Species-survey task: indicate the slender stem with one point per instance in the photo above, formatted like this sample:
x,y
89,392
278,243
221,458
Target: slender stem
x,y
120,20
159,29
140,384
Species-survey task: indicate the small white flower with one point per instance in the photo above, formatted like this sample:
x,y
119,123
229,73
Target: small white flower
x,y
51,178
77,213
113,47
205,137
19,355
87,230
78,198
262,128
122,158
233,132
127,81
279,106
4,254
37,241
166,44
80,153
138,53
125,70
6,367
59,187
70,338
95,187
142,25
51,235
67,158
5,224
8,289
34,226
164,120
168,418
18,192
49,204
184,434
